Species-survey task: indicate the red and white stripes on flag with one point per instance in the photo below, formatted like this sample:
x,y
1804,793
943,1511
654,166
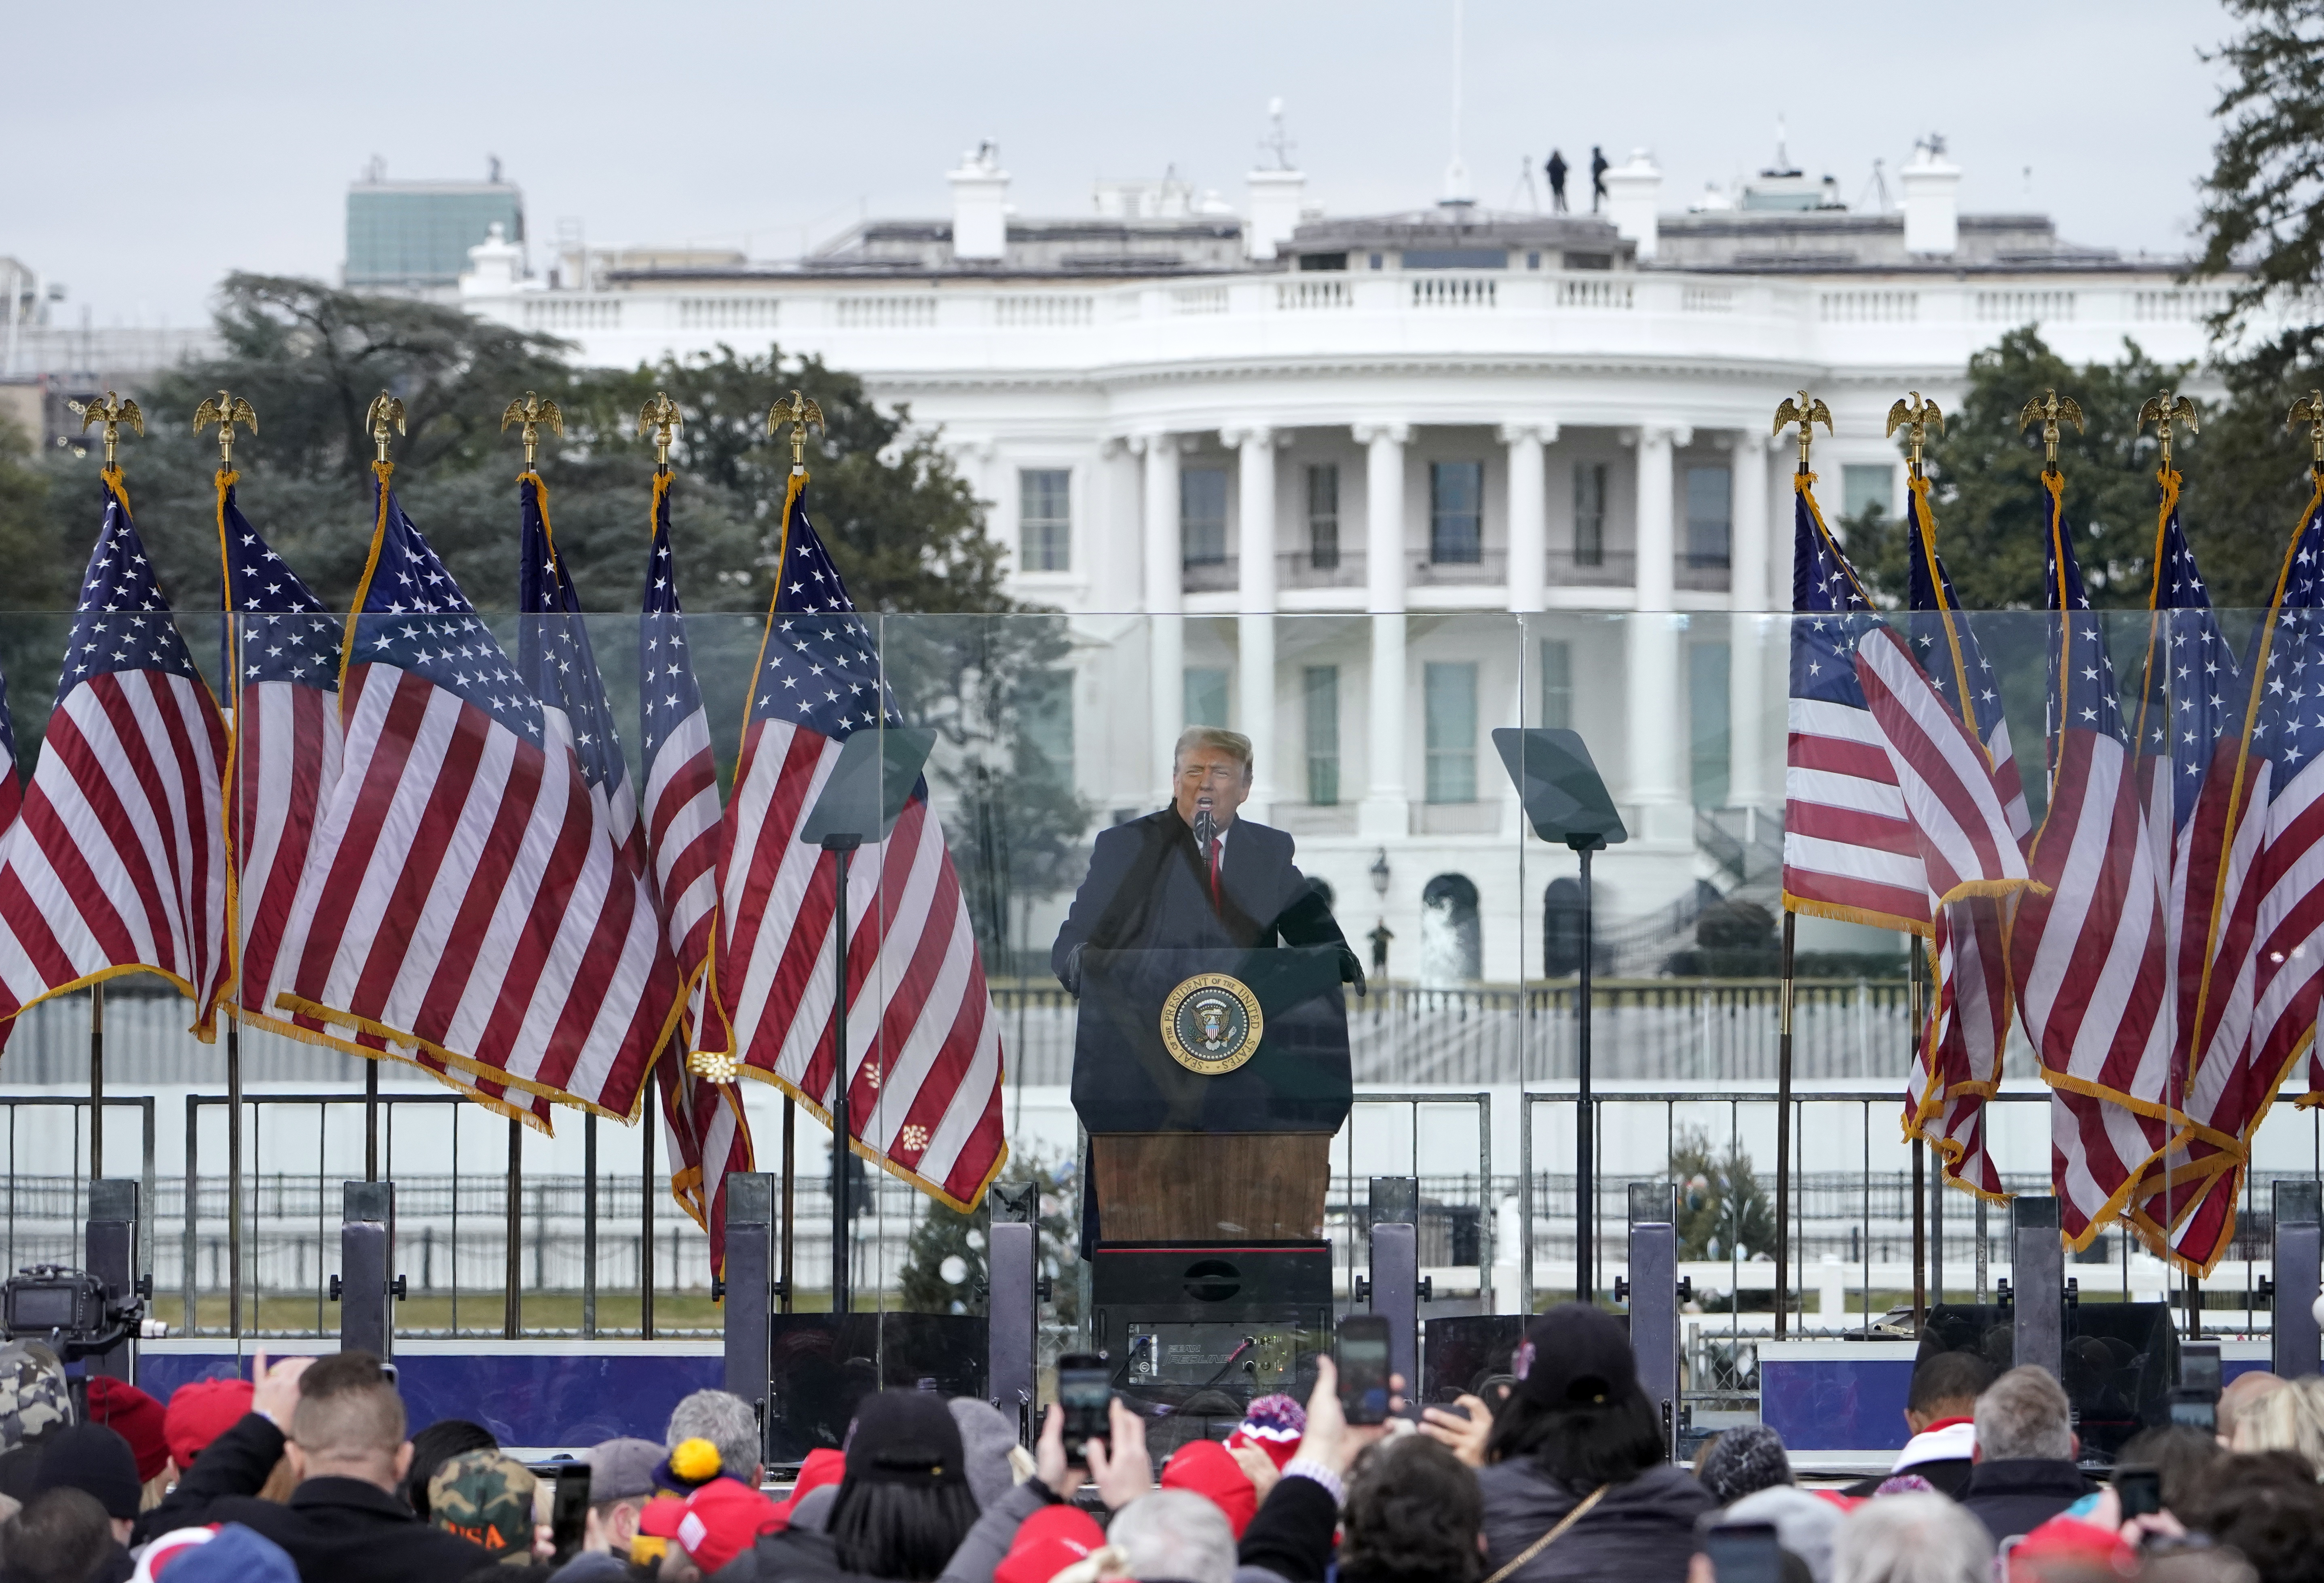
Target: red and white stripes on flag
x,y
117,861
2089,949
709,1136
922,1045
462,894
1971,860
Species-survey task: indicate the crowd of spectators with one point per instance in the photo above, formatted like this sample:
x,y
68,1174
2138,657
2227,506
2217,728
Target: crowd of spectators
x,y
1557,1471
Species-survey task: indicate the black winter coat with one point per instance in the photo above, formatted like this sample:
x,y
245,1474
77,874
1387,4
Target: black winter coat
x,y
2018,1496
335,1530
1641,1530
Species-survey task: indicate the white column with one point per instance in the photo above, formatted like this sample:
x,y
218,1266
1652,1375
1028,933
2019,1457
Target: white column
x,y
1528,512
1657,691
1655,536
1749,630
1385,814
1747,550
1113,542
1164,599
1255,627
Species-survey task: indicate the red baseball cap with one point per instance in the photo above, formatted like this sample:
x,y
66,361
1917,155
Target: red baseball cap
x,y
199,1412
1048,1542
821,1467
721,1520
135,1417
1210,1470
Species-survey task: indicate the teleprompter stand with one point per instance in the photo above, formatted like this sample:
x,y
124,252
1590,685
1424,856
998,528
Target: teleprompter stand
x,y
1566,803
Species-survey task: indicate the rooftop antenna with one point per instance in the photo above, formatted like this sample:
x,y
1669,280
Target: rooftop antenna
x,y
1524,179
1877,189
1456,173
1277,145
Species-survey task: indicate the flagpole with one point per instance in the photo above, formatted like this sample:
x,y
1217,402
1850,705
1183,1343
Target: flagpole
x,y
1783,1126
1807,411
1920,1155
790,1111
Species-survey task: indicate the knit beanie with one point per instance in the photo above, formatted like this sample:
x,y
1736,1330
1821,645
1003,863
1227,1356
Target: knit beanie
x,y
1275,1424
138,1418
96,1460
1744,1460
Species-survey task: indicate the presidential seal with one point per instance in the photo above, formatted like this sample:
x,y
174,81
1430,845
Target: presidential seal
x,y
1212,1024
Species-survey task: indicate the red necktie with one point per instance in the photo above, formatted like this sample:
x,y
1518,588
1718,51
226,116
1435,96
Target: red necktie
x,y
1216,847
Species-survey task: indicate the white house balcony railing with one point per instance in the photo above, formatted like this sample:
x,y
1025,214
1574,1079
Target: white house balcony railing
x,y
1211,575
1598,568
1308,568
947,326
1489,566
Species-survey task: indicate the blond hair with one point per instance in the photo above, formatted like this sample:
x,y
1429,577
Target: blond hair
x,y
2290,1417
1211,736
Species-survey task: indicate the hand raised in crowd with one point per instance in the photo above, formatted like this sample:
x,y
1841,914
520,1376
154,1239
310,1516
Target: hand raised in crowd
x,y
1121,1471
1258,1468
1463,1433
1331,1438
275,1390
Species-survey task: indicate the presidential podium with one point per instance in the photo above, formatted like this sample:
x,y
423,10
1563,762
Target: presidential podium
x,y
1210,1084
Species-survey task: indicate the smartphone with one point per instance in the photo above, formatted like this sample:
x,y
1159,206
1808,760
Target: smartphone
x,y
2195,1411
2199,1368
1362,1354
1086,1390
2139,1489
568,1515
1744,1553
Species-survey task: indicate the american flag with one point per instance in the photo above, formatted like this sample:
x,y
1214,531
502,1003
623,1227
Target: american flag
x,y
12,799
2089,954
2257,1001
1850,851
463,895
116,862
2189,742
709,1136
924,1048
1960,1061
283,655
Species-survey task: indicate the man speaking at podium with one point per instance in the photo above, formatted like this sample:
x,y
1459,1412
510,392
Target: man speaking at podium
x,y
1193,875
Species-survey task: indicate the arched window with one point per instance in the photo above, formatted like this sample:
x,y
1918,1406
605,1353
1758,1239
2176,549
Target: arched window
x,y
1451,948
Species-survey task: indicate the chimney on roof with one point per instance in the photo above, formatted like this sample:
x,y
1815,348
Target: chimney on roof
x,y
1633,200
1271,210
495,265
980,205
1932,185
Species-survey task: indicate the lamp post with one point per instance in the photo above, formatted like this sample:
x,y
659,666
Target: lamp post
x,y
1379,875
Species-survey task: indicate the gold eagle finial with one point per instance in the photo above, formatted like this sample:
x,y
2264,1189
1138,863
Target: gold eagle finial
x,y
1807,412
2162,411
2050,409
1915,416
383,417
2309,409
662,417
113,412
532,413
226,410
798,411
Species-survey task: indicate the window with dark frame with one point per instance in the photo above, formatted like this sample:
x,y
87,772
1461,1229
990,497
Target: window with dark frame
x,y
1202,515
1206,696
1320,685
1708,517
1456,513
1558,683
1045,523
1323,516
1589,514
1449,698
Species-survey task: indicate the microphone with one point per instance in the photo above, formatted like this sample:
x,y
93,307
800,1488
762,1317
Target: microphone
x,y
1207,828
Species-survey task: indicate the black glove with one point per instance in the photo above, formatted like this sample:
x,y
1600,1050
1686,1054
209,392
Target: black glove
x,y
1071,975
1351,970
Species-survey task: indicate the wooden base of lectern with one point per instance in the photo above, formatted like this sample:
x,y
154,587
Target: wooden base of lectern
x,y
1211,1186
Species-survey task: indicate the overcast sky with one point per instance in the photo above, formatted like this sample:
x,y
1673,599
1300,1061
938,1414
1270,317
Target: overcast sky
x,y
152,149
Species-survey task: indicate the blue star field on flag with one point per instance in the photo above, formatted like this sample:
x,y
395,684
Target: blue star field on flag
x,y
286,633
123,623
666,689
553,650
1835,615
819,667
2082,676
2198,685
415,617
2289,727
1926,580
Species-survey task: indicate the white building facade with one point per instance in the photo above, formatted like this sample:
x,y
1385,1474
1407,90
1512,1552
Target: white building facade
x,y
1366,488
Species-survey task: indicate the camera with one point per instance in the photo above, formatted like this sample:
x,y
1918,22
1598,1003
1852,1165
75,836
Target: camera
x,y
68,1309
